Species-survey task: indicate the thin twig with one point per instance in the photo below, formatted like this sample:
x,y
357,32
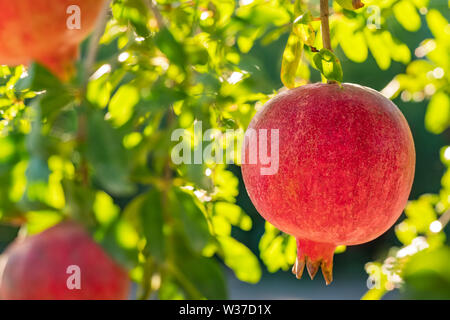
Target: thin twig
x,y
444,219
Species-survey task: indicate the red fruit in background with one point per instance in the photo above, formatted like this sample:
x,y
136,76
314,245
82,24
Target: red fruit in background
x,y
36,268
345,169
37,30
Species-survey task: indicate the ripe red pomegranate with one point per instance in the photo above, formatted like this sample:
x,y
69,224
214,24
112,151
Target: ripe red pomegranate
x,y
345,169
40,268
37,30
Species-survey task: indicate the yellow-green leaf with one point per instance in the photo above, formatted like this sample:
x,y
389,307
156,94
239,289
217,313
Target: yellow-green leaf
x,y
438,25
378,48
233,214
406,14
354,45
291,60
122,104
104,208
437,117
328,64
240,259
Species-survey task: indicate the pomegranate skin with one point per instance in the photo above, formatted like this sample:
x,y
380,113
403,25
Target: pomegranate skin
x,y
345,170
37,30
35,268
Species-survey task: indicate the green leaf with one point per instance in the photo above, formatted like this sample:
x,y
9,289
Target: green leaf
x,y
307,33
106,153
186,207
195,174
161,96
170,47
421,213
198,276
291,60
99,91
233,214
437,117
122,104
79,201
7,148
4,71
226,184
328,64
398,51
151,214
54,95
120,239
104,208
273,35
264,14
64,124
245,44
352,42
240,259
5,102
426,274
405,232
406,14
169,289
438,24
298,10
221,227
277,250
40,79
378,48
38,221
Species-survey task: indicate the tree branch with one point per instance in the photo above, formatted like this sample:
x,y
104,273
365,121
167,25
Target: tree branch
x,y
444,219
88,66
324,14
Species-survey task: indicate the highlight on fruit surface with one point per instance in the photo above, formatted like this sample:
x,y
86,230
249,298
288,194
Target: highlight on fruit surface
x,y
345,168
45,31
44,267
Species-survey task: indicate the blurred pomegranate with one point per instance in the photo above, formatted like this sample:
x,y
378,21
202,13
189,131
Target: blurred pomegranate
x,y
46,266
39,30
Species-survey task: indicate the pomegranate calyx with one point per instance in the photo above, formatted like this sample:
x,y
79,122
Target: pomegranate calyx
x,y
298,268
314,255
312,267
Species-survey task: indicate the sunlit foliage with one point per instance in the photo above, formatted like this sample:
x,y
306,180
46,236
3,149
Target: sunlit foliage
x,y
98,149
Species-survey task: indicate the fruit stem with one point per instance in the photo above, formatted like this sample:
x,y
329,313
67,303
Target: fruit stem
x,y
314,255
324,14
